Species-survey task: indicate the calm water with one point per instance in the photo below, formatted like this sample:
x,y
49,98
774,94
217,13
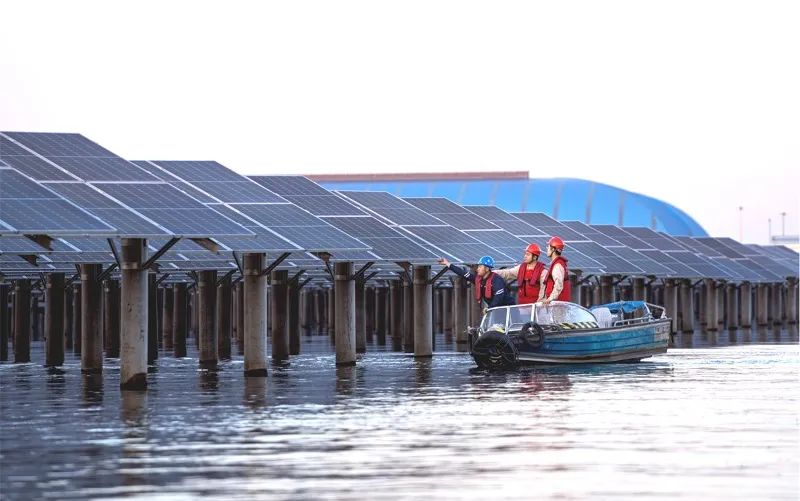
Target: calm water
x,y
716,417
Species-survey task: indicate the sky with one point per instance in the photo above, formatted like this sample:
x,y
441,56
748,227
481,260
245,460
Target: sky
x,y
692,102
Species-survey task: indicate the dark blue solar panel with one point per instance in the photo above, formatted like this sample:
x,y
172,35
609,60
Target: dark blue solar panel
x,y
50,144
275,215
103,169
647,265
20,245
623,237
702,265
536,219
15,185
194,222
264,242
325,205
719,247
608,260
200,171
149,196
653,238
83,195
291,185
37,168
49,216
592,234
234,192
128,223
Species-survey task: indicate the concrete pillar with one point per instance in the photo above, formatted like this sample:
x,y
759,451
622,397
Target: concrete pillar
x,y
304,310
638,289
732,307
437,307
671,302
91,333
345,314
575,291
22,321
331,311
160,310
396,314
168,316
76,318
68,336
206,308
423,312
36,332
133,321
474,307
5,324
111,317
255,316
776,312
152,318
447,310
687,305
596,296
745,304
194,318
54,320
606,289
224,318
280,315
711,304
408,317
762,304
294,318
381,315
361,318
369,312
240,317
180,319
460,312
791,301
721,305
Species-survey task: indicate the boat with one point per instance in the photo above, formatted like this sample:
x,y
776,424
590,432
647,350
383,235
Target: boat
x,y
567,333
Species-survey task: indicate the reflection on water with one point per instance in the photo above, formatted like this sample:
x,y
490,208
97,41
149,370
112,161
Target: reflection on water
x,y
714,417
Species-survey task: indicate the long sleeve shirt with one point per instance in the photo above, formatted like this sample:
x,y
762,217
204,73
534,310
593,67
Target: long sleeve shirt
x,y
500,295
509,274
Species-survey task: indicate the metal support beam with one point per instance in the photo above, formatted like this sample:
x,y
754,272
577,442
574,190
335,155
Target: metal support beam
x,y
160,252
435,277
42,240
207,244
357,275
275,263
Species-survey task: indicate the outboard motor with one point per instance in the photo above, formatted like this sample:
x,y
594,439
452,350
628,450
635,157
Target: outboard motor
x,y
494,351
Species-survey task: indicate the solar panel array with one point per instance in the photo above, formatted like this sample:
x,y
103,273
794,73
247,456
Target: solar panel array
x,y
66,185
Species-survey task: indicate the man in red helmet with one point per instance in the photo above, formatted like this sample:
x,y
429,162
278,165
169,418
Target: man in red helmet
x,y
530,276
557,285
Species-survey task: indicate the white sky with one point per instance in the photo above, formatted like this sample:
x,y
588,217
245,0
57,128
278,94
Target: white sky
x,y
693,102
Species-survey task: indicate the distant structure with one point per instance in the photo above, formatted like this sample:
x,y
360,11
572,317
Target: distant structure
x,y
565,199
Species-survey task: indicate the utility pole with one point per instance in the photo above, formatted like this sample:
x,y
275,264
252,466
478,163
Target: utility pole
x,y
783,224
769,230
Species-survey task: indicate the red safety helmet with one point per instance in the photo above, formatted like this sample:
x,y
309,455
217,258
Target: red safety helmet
x,y
556,243
534,249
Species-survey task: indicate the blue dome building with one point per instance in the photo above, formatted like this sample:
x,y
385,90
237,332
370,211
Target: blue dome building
x,y
564,199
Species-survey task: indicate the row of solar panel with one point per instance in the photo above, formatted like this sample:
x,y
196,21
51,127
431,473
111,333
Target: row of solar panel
x,y
171,194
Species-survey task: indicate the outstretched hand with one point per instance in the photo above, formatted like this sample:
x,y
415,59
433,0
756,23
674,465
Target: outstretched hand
x,y
444,261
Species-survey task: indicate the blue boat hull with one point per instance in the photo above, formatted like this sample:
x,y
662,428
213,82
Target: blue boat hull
x,y
614,344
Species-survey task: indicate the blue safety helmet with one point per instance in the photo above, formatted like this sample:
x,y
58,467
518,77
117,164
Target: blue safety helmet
x,y
486,261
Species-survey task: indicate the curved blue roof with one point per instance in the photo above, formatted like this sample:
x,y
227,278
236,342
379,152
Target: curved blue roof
x,y
564,199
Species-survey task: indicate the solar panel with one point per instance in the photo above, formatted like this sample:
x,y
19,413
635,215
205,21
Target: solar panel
x,y
694,245
81,257
648,265
679,269
457,244
719,247
84,195
11,244
591,233
655,239
622,236
325,205
703,265
149,196
609,261
291,185
536,218
51,144
505,220
28,207
236,192
102,169
199,171
37,168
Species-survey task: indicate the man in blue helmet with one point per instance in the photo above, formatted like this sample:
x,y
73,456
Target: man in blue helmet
x,y
490,289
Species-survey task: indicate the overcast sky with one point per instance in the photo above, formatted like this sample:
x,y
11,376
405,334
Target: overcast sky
x,y
693,102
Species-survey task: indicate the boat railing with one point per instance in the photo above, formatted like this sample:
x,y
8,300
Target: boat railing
x,y
633,321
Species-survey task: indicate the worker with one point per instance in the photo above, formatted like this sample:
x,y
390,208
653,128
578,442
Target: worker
x,y
530,276
557,286
490,288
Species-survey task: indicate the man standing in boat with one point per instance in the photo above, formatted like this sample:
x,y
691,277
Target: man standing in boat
x,y
490,288
530,276
557,286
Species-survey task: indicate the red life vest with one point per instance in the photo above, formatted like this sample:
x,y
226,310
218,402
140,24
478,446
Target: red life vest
x,y
528,283
566,294
487,290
